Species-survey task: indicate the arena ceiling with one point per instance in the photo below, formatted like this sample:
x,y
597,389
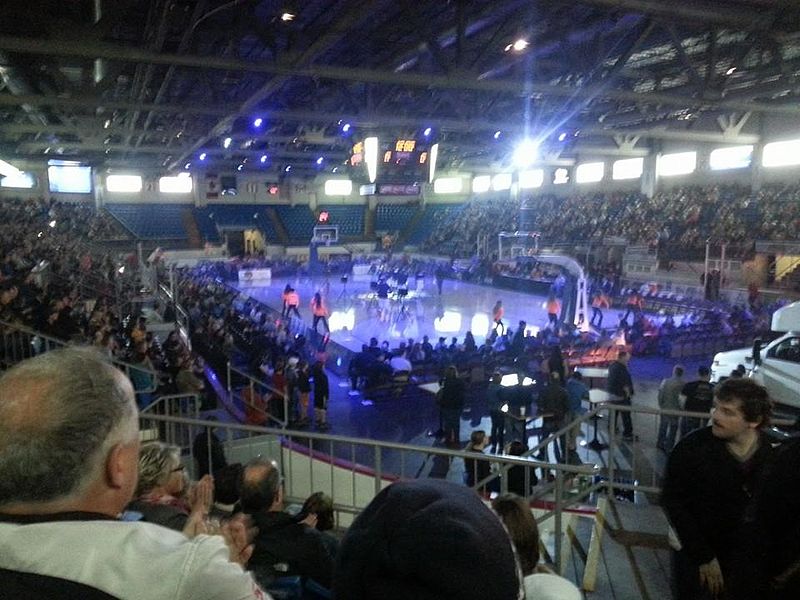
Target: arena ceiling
x,y
153,83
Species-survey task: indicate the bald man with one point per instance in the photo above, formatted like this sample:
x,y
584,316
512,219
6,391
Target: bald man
x,y
283,546
69,447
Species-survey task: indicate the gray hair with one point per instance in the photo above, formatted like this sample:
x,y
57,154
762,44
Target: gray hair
x,y
60,414
156,463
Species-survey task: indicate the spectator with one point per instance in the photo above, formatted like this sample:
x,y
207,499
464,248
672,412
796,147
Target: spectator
x,y
321,395
712,477
161,493
283,547
620,386
697,396
451,403
553,406
520,479
494,403
68,467
317,512
669,399
427,539
578,392
478,470
540,582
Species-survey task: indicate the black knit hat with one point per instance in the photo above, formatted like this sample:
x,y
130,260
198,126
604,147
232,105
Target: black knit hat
x,y
424,540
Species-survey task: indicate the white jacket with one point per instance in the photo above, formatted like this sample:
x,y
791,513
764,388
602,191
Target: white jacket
x,y
128,560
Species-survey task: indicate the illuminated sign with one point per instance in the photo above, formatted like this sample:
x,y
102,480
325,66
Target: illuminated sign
x,y
405,145
423,158
324,216
357,156
387,156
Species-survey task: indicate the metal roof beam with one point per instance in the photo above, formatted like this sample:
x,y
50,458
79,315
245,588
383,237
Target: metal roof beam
x,y
461,81
695,11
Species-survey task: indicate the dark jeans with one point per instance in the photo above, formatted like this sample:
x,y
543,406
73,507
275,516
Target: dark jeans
x,y
451,423
667,431
317,319
291,308
627,421
498,430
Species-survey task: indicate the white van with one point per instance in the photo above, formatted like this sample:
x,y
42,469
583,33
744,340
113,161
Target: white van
x,y
776,366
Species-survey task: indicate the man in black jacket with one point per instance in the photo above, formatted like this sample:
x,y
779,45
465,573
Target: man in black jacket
x,y
711,481
620,385
283,547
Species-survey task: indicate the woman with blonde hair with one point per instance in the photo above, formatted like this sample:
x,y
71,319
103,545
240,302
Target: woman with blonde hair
x,y
163,495
539,581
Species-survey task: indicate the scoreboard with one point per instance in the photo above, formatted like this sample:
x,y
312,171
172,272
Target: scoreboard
x,y
400,161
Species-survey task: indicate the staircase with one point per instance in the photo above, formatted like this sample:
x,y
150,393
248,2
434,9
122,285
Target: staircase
x,y
192,231
283,235
789,278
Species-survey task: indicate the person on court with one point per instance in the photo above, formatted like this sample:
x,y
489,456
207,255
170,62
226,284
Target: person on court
x,y
497,316
320,312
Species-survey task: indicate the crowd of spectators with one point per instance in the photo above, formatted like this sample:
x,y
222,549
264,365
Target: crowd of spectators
x,y
683,217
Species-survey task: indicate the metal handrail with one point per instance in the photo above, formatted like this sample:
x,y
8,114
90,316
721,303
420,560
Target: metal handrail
x,y
52,342
252,383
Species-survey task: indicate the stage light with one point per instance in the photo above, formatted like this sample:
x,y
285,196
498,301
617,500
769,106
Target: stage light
x,y
371,157
427,131
258,122
335,170
480,323
562,136
287,16
187,165
497,134
346,127
52,224
263,158
287,169
519,45
226,143
730,71
202,156
320,160
525,153
240,167
450,322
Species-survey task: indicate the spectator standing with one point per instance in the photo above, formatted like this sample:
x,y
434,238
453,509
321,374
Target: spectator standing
x,y
620,385
669,399
68,468
553,311
494,403
321,396
578,392
553,405
697,396
303,390
709,496
284,298
451,403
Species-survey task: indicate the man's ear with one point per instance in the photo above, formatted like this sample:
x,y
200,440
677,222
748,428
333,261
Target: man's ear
x,y
118,465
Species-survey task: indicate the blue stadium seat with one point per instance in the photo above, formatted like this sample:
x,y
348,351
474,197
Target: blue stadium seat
x,y
151,221
235,216
348,217
298,221
394,217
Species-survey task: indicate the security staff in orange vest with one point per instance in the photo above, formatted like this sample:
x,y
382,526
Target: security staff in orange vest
x,y
320,312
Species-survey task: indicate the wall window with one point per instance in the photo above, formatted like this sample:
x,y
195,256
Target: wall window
x,y
561,176
590,172
781,154
531,179
501,181
180,184
338,187
734,157
124,183
70,179
21,180
448,185
627,168
681,163
481,184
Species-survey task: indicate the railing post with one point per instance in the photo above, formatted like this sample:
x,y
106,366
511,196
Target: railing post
x,y
612,447
559,508
378,469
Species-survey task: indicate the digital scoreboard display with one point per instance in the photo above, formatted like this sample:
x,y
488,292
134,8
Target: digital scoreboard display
x,y
400,161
